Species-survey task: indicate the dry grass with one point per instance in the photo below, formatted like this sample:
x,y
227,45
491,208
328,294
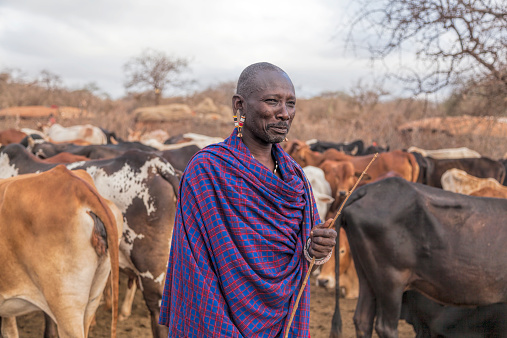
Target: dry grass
x,y
339,118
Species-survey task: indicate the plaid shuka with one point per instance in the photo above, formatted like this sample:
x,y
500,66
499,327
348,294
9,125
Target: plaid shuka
x,y
236,262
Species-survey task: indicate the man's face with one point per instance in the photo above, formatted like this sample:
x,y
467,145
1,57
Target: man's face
x,y
270,109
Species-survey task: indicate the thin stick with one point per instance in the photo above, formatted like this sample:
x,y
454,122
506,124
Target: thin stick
x,y
312,263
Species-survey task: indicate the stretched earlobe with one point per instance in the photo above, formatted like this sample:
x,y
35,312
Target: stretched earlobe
x,y
238,123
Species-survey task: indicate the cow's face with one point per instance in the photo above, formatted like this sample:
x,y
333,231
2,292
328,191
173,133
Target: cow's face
x,y
327,273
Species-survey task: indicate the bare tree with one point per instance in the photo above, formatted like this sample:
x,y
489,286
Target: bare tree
x,y
154,70
51,82
456,42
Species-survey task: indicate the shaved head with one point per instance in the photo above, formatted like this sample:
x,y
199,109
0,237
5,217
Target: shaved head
x,y
247,79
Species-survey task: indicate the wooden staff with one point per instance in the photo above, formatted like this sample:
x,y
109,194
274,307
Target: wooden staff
x,y
312,263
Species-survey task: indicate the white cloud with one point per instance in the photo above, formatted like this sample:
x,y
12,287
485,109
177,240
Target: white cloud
x,y
85,41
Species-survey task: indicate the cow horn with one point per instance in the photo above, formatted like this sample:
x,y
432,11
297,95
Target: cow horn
x,y
31,143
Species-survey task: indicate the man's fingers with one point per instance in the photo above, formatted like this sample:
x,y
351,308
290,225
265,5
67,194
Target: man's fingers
x,y
318,254
322,245
327,233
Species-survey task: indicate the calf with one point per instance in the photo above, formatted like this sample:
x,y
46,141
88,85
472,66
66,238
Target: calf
x,y
406,235
58,246
349,284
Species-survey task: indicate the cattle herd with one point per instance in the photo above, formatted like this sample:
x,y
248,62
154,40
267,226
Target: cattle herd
x,y
421,239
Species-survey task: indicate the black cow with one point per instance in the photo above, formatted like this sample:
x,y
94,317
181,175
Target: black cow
x,y
179,157
504,163
405,235
374,149
144,186
111,136
431,170
352,148
93,151
431,319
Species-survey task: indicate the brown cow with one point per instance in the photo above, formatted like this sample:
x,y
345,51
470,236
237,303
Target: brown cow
x,y
496,192
304,156
398,161
57,262
65,158
11,135
341,177
459,181
349,283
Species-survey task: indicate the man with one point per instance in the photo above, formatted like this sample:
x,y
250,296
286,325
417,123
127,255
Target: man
x,y
246,220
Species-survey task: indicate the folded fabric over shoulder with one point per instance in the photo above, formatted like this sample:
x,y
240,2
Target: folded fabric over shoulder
x,y
236,261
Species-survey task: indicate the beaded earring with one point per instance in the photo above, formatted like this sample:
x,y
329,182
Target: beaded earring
x,y
239,124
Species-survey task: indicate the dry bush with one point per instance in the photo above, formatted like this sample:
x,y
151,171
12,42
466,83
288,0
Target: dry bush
x,y
338,117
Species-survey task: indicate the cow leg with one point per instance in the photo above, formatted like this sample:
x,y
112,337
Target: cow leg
x,y
128,300
9,328
152,292
389,305
50,329
365,308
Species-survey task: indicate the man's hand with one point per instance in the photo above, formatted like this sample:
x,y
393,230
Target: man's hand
x,y
323,240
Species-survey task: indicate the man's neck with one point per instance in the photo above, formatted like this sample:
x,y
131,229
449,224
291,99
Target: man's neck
x,y
261,152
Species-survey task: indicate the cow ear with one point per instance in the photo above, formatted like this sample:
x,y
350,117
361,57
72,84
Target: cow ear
x,y
366,177
31,143
292,146
354,151
326,199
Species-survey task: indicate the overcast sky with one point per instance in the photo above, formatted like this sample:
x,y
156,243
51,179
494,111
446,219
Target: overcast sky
x,y
90,41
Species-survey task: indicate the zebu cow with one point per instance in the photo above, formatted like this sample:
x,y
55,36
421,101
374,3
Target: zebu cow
x,y
59,244
144,187
321,189
349,283
45,149
431,319
11,135
406,235
431,170
496,192
504,163
87,133
447,153
459,181
352,148
180,157
398,161
200,140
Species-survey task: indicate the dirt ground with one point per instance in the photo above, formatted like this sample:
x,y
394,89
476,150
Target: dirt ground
x,y
138,325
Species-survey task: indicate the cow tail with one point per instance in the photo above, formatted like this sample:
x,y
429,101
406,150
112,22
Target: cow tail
x,y
106,216
102,211
336,322
415,167
172,176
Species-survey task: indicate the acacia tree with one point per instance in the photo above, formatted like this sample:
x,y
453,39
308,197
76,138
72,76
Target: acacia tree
x,y
154,70
456,42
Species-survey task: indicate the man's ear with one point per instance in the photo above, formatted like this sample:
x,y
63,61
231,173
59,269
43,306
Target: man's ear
x,y
237,102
